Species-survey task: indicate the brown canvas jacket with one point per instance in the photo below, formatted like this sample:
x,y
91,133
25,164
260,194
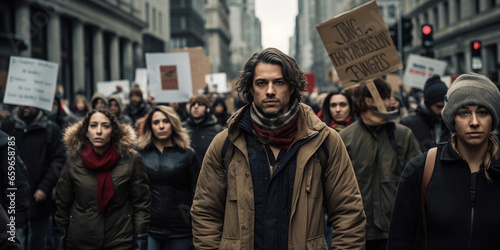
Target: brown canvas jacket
x,y
224,220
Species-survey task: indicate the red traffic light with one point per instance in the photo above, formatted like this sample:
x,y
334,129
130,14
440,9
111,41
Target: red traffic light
x,y
426,29
476,45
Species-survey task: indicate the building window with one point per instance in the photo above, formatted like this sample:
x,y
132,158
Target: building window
x,y
477,6
146,11
154,19
381,8
446,8
493,3
458,9
39,20
391,11
436,18
160,24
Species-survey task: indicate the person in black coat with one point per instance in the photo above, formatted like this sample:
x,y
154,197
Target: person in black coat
x,y
40,147
14,188
426,123
173,170
461,202
202,125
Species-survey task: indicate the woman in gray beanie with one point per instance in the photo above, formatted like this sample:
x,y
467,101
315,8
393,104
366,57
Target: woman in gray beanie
x,y
461,201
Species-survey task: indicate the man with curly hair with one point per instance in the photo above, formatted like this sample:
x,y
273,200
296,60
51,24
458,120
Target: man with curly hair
x,y
267,179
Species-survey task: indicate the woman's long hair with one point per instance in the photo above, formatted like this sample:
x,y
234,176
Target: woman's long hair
x,y
325,113
180,137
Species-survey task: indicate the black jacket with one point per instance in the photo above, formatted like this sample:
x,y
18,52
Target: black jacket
x,y
202,134
14,185
42,150
172,177
459,214
422,124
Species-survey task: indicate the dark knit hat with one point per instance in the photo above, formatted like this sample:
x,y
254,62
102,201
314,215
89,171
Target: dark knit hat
x,y
202,99
434,90
471,89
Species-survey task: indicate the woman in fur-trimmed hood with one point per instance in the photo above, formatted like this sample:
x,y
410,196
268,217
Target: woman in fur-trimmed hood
x,y
103,193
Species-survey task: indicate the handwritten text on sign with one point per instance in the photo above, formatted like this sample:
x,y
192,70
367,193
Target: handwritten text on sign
x,y
359,45
31,82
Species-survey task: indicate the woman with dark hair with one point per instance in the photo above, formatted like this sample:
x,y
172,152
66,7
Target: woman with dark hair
x,y
460,206
337,110
103,193
173,171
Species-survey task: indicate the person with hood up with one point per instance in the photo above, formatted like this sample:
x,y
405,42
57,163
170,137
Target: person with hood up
x,y
103,193
99,101
426,123
115,107
460,208
220,111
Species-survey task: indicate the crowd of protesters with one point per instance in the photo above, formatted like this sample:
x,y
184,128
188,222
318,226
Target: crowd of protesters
x,y
104,174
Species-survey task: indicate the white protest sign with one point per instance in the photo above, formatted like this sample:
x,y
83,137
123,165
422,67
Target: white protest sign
x,y
217,82
169,76
141,79
31,82
420,68
107,89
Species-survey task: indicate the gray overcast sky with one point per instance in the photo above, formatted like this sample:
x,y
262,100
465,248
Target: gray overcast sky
x,y
277,18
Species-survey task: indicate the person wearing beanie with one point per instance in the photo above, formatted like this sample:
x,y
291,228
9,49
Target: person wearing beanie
x,y
201,124
462,195
426,122
137,107
379,149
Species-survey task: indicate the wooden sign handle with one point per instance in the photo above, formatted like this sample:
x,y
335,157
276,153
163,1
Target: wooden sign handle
x,y
376,97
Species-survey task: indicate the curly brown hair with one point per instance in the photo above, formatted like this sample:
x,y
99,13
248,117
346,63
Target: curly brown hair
x,y
116,132
292,74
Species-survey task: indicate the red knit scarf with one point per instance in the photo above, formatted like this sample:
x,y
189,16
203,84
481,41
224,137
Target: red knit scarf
x,y
280,138
102,165
341,125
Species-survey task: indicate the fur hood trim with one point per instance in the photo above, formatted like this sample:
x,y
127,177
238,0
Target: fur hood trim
x,y
75,142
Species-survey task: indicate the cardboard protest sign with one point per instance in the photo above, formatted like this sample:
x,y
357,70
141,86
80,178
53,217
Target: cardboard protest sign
x,y
31,82
420,68
198,67
217,82
169,76
359,45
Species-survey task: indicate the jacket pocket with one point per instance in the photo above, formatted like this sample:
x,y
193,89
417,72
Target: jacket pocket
x,y
317,243
313,178
230,243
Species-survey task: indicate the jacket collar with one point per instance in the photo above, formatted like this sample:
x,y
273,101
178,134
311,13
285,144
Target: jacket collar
x,y
449,154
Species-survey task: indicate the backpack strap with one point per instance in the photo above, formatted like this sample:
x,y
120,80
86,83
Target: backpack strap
x,y
430,161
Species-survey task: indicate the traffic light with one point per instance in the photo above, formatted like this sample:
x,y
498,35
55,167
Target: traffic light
x,y
475,48
407,31
427,41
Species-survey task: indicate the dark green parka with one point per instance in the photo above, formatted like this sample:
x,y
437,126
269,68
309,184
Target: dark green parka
x,y
127,213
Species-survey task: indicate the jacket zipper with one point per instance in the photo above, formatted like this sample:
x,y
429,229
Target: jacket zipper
x,y
473,205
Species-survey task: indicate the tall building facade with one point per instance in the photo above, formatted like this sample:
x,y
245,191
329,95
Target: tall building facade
x,y
245,31
187,23
456,23
217,35
92,40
